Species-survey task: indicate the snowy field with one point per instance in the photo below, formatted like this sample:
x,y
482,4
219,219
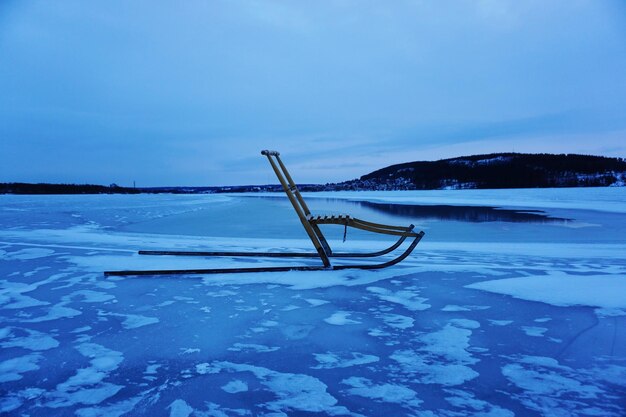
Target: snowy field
x,y
514,303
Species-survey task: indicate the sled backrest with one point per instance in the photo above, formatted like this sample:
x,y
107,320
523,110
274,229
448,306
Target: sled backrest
x,y
298,203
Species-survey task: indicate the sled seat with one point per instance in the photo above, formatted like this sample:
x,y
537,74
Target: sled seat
x,y
346,220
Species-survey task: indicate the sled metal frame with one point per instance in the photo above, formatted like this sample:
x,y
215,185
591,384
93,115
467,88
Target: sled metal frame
x,y
311,225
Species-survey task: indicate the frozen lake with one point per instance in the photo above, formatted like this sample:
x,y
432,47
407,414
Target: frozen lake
x,y
514,303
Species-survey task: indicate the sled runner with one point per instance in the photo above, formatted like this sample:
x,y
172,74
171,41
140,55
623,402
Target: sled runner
x,y
311,225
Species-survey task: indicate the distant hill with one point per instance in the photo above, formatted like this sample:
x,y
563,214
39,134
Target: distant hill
x,y
498,170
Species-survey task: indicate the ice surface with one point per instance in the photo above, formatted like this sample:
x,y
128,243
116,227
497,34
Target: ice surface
x,y
495,318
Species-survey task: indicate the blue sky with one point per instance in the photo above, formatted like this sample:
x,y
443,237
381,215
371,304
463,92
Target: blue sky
x,y
188,93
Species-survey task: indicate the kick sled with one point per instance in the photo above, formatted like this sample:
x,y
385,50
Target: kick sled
x,y
311,225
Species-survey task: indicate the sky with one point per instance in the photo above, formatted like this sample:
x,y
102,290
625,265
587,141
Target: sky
x,y
165,93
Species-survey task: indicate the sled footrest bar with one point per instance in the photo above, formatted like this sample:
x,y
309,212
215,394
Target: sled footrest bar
x,y
215,271
232,254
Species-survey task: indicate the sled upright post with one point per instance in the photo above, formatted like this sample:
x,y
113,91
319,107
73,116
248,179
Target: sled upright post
x,y
298,203
311,225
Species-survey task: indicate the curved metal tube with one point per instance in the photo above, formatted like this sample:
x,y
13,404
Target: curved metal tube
x,y
394,261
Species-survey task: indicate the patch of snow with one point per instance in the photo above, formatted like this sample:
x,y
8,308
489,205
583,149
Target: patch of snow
x,y
179,408
442,358
315,302
553,389
294,392
235,386
473,406
457,308
542,320
397,321
118,409
465,323
132,321
87,386
10,403
251,347
28,254
407,298
330,360
340,318
12,369
562,289
389,393
500,322
152,369
81,329
89,296
376,332
32,340
206,368
56,312
534,331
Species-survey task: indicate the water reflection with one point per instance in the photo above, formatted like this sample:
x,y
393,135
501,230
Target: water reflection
x,y
474,214
471,214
